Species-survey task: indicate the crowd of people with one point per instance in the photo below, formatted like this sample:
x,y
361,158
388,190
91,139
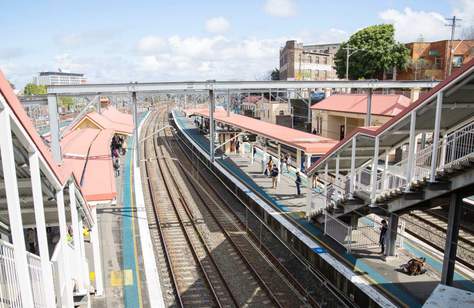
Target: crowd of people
x,y
118,147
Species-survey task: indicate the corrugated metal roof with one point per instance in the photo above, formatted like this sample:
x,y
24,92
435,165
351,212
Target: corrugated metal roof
x,y
309,143
385,105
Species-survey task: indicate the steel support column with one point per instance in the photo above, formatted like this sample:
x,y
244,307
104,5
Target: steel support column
x,y
338,157
353,175
40,221
135,129
75,232
411,151
211,125
228,102
99,284
66,297
14,209
368,117
450,248
298,159
54,127
373,177
434,154
391,235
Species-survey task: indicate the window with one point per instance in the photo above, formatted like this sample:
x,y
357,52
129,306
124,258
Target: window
x,y
457,61
437,63
282,112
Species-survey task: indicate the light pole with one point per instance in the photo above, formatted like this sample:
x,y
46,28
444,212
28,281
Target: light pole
x,y
348,54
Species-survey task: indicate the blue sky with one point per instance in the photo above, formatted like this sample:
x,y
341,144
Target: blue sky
x,y
113,41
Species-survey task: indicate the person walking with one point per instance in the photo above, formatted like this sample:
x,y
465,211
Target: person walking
x,y
383,233
269,167
237,146
274,174
116,166
298,183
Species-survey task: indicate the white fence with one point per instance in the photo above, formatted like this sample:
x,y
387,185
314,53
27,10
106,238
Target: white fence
x,y
10,295
452,150
365,236
337,230
10,286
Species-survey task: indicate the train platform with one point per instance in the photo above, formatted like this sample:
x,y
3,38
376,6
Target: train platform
x,y
125,247
368,264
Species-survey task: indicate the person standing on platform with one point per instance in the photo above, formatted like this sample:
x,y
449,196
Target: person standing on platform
x,y
383,233
124,146
116,166
269,167
298,183
237,146
274,174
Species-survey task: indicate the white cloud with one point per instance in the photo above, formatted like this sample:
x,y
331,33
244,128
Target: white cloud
x,y
217,25
215,57
150,44
280,8
410,25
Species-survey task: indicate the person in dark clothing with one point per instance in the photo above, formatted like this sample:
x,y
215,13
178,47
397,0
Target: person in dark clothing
x,y
274,175
383,232
237,146
298,183
116,167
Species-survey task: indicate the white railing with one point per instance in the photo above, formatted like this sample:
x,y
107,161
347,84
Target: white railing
x,y
10,286
453,149
337,230
10,295
62,265
37,283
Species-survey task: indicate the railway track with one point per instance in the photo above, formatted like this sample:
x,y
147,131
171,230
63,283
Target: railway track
x,y
209,258
431,227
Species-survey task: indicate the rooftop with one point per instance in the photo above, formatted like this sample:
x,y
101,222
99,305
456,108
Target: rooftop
x,y
384,105
309,143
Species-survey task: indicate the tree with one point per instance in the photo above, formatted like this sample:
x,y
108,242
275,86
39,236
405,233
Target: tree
x,y
33,89
377,52
66,102
275,74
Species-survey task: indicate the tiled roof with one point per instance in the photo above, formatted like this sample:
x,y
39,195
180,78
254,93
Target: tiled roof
x,y
385,105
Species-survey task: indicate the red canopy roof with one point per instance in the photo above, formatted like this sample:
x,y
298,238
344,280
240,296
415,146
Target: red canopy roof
x,y
385,105
309,143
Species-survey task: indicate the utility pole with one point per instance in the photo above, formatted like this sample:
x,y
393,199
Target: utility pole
x,y
348,54
452,24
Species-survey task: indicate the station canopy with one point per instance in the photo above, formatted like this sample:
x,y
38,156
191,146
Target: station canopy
x,y
309,143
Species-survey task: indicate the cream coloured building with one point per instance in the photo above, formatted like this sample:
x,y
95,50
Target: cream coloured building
x,y
338,115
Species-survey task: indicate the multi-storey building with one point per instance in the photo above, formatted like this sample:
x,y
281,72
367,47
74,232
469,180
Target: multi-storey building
x,y
430,60
59,78
307,62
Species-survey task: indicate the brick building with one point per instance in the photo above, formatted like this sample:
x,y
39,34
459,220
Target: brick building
x,y
307,62
429,60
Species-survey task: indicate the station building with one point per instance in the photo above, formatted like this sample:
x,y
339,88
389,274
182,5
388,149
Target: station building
x,y
338,115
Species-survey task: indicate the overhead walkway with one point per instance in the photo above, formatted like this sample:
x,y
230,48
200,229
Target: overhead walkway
x,y
424,153
370,266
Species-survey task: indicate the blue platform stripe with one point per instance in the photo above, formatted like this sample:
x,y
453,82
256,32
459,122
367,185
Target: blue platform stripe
x,y
131,296
389,286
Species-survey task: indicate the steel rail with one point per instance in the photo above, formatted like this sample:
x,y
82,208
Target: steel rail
x,y
160,229
163,163
331,287
292,282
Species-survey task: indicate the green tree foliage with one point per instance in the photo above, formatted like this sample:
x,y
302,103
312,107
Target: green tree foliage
x,y
33,89
378,53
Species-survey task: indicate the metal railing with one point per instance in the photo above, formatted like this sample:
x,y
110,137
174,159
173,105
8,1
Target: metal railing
x,y
10,286
36,277
10,295
337,230
452,150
